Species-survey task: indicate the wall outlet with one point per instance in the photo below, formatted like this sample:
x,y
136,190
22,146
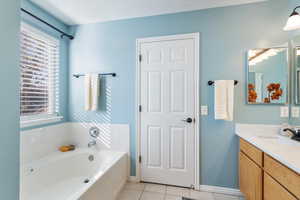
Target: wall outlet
x,y
295,112
284,111
204,110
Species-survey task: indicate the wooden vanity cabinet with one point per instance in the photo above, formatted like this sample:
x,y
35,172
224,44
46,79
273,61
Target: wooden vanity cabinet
x,y
274,191
252,152
283,175
262,177
250,178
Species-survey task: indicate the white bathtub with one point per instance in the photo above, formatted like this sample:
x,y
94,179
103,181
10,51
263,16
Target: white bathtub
x,y
83,174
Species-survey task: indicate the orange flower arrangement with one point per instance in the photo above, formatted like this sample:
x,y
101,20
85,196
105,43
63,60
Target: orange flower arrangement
x,y
252,96
275,92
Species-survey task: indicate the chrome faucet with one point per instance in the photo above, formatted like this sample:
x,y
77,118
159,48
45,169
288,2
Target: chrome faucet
x,y
94,133
295,132
92,143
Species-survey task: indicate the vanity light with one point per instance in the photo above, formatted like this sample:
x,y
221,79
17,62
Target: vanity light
x,y
263,56
293,22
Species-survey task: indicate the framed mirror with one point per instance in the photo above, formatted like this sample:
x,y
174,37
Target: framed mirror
x,y
295,61
297,74
267,76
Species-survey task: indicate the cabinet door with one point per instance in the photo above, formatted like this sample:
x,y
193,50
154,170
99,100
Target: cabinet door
x,y
252,152
274,191
250,178
282,174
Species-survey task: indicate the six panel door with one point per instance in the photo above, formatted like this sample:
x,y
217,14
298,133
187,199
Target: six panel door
x,y
167,100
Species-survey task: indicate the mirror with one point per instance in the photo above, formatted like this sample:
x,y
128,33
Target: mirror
x,y
297,73
295,81
267,76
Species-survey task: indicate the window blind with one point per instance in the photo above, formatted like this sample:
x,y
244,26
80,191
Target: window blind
x,y
39,64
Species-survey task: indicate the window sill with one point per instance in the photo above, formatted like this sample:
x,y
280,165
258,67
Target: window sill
x,y
36,122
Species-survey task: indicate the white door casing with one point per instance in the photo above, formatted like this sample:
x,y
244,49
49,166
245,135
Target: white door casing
x,y
168,95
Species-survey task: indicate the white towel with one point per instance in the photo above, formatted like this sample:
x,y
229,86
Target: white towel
x,y
87,92
95,88
224,97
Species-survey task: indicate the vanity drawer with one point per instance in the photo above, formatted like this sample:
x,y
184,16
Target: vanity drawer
x,y
274,191
285,176
252,152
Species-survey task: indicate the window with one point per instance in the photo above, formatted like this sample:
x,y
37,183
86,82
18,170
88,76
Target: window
x,y
39,66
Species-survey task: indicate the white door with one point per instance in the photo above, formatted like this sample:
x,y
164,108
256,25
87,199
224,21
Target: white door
x,y
167,97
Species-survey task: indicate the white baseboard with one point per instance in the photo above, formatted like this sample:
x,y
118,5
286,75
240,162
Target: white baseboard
x,y
204,188
133,179
222,190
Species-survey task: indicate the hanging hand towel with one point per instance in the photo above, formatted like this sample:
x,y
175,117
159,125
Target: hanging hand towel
x,y
87,92
224,99
95,85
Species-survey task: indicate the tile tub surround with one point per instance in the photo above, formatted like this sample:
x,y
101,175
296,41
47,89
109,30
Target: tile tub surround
x,y
267,139
146,191
40,142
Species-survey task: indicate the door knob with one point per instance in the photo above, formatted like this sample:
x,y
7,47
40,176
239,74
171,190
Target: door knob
x,y
188,120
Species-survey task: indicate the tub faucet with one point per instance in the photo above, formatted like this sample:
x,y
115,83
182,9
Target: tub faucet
x,y
92,143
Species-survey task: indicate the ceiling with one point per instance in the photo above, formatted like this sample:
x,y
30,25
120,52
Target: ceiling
x,y
91,11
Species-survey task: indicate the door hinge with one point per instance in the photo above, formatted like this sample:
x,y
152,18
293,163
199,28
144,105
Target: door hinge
x,y
140,159
140,57
140,108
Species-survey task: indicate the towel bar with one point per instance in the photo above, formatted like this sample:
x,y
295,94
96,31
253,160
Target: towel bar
x,y
212,82
101,74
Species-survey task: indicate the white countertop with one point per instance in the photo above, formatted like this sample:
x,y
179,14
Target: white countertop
x,y
267,139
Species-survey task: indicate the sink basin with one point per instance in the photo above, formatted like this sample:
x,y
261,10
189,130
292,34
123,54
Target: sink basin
x,y
268,137
279,139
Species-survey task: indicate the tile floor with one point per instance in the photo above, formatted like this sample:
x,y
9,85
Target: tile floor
x,y
145,191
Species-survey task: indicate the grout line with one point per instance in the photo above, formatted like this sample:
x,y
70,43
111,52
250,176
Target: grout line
x,y
143,190
165,196
141,194
166,190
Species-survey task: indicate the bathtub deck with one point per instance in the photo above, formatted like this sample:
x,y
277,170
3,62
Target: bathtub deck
x,y
60,191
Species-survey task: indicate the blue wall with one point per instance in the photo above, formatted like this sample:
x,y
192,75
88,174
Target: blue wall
x,y
9,104
226,34
64,51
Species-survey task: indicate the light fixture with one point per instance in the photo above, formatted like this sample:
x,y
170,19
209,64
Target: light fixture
x,y
263,55
293,22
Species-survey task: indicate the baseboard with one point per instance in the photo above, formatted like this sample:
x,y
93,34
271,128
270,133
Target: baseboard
x,y
204,188
133,179
222,190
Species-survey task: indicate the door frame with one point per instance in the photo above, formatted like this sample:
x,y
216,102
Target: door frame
x,y
139,41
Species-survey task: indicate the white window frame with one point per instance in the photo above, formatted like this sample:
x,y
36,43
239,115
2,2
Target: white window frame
x,y
41,119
